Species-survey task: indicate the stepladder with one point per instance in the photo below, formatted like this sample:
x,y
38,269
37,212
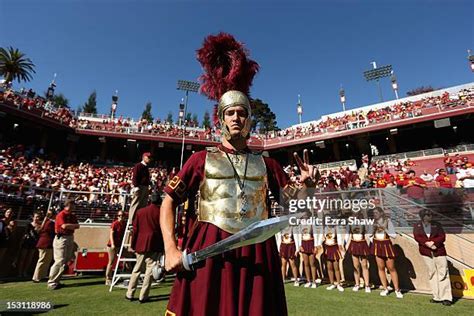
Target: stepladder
x,y
123,260
126,259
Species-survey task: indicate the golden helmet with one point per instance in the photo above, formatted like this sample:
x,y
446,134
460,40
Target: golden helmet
x,y
234,98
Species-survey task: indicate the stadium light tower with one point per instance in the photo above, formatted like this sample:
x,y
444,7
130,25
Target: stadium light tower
x,y
113,107
470,57
299,108
377,74
342,95
393,79
181,112
186,86
52,86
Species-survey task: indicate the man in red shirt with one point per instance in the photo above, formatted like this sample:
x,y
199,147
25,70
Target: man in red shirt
x,y
400,179
381,182
387,176
443,181
415,187
63,244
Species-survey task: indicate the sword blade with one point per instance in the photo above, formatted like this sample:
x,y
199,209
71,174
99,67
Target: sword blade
x,y
255,233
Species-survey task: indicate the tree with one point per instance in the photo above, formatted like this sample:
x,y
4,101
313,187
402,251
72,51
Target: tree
x,y
15,66
420,90
91,105
146,115
59,100
169,119
263,116
188,117
206,120
195,120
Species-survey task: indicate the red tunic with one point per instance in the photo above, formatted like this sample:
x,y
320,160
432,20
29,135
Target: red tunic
x,y
244,281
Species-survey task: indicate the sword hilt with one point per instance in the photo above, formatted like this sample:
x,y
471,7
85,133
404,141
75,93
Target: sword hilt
x,y
187,262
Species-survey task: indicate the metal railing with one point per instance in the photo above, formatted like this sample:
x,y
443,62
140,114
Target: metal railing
x,y
91,207
424,153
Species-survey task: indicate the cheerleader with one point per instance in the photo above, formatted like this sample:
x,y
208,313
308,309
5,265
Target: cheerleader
x,y
333,241
310,242
358,247
384,251
288,251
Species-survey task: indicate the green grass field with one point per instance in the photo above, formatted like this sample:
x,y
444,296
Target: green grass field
x,y
89,295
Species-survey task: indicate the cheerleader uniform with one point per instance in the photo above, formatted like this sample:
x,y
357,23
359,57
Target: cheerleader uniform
x,y
359,245
309,238
289,244
382,245
332,240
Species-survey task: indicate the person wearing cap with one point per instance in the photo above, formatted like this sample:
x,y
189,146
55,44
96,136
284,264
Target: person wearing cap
x,y
140,184
63,243
431,237
147,243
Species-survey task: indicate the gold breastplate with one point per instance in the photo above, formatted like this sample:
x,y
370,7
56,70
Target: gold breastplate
x,y
219,200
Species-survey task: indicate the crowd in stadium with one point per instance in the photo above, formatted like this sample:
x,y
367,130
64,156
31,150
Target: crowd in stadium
x,y
25,173
157,127
392,173
28,100
357,119
24,170
27,178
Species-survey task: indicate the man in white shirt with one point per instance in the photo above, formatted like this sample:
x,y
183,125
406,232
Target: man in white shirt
x,y
426,176
466,175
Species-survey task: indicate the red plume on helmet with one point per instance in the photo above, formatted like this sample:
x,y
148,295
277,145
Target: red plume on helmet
x,y
227,66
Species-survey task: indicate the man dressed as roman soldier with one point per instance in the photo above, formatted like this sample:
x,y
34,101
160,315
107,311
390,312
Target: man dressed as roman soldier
x,y
228,190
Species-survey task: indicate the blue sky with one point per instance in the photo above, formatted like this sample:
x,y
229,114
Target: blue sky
x,y
141,48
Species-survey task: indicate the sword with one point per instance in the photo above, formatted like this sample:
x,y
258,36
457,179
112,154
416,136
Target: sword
x,y
255,233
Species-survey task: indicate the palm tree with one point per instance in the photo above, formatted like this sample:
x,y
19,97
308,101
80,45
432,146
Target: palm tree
x,y
14,65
